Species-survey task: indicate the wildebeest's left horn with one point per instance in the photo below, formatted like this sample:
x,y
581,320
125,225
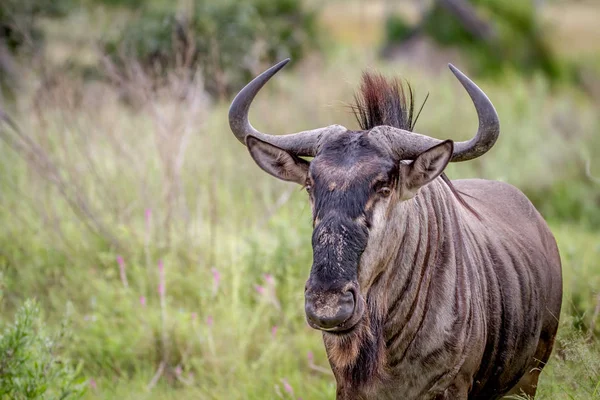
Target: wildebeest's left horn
x,y
410,144
301,143
489,124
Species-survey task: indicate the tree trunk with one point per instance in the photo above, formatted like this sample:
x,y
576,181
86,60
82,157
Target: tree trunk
x,y
467,16
8,67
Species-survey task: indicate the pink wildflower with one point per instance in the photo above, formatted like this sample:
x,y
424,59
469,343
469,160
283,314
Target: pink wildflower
x,y
121,263
161,278
194,316
287,387
269,290
310,357
209,320
92,383
216,280
178,370
269,279
274,331
143,301
148,215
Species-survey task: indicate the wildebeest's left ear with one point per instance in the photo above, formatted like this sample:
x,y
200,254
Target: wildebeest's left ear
x,y
425,168
278,162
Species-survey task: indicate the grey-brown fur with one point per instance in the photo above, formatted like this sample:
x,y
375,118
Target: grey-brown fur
x,y
424,288
441,309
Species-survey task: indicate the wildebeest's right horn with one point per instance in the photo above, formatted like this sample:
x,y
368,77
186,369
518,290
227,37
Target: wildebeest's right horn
x,y
410,144
301,143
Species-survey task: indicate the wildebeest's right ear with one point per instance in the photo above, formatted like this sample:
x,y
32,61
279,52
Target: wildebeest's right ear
x,y
278,162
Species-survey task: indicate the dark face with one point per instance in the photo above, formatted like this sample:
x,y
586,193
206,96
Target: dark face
x,y
353,182
346,181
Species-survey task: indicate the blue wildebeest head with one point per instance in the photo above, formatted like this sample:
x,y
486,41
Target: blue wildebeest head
x,y
355,178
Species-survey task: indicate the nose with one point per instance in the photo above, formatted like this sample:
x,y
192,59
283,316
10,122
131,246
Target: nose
x,y
327,311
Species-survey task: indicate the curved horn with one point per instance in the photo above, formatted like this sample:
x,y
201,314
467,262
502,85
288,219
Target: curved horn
x,y
411,144
301,143
489,124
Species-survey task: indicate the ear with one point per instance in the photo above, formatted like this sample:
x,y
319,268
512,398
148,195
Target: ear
x,y
278,162
425,168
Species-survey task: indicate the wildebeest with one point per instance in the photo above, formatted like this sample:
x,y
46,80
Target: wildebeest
x,y
424,288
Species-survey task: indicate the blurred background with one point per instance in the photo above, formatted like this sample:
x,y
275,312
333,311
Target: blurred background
x,y
143,255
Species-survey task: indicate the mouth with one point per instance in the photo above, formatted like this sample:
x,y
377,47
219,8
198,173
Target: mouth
x,y
341,329
339,333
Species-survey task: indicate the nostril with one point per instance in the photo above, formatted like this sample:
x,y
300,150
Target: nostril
x,y
347,299
351,293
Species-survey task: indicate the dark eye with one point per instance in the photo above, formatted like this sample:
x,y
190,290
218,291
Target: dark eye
x,y
308,187
384,191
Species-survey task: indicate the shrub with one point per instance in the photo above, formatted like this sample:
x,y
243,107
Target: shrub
x,y
19,19
30,366
515,39
20,32
397,29
230,40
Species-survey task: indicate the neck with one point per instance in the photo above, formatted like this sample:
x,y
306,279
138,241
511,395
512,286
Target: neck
x,y
423,259
415,277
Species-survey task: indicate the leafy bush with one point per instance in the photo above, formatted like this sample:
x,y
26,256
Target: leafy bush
x,y
30,367
516,38
397,29
20,32
230,40
117,3
19,19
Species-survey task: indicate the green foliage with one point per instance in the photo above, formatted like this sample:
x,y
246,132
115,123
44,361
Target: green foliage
x,y
569,201
517,39
227,40
30,366
397,29
19,20
117,3
20,33
575,363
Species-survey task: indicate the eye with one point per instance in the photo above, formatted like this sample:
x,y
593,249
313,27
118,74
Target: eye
x,y
308,187
384,191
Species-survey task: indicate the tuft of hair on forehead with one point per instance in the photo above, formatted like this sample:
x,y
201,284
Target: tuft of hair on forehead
x,y
382,101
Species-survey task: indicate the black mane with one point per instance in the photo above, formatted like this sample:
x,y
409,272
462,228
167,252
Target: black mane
x,y
380,101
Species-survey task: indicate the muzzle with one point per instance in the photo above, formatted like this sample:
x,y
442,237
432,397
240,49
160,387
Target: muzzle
x,y
333,310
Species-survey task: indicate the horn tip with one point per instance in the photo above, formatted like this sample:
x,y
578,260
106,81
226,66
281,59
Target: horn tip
x,y
454,70
283,62
276,68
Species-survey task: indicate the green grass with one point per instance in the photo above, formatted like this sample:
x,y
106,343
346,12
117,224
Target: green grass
x,y
211,209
